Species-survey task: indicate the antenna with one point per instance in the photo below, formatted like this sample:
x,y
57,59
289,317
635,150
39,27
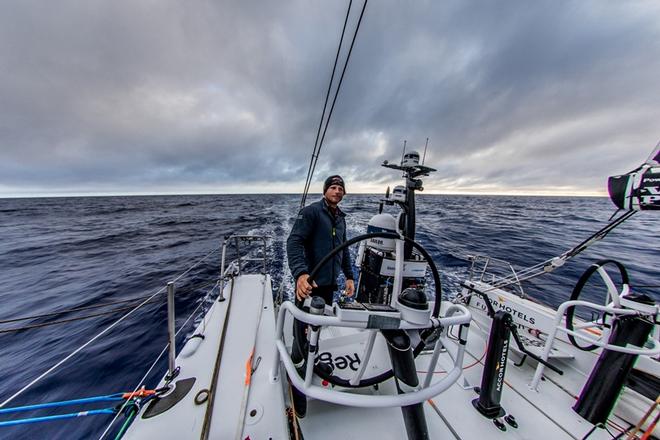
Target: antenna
x,y
404,151
387,197
425,147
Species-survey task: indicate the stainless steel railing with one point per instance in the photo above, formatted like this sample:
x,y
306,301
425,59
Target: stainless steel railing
x,y
227,271
494,271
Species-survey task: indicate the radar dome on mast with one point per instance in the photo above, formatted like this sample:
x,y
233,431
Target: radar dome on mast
x,y
398,194
410,159
382,223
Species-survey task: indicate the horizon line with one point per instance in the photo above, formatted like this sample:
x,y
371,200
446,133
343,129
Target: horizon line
x,y
165,194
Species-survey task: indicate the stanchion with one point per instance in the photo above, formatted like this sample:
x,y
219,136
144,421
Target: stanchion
x,y
171,330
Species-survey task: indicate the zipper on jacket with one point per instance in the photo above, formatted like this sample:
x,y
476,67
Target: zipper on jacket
x,y
334,233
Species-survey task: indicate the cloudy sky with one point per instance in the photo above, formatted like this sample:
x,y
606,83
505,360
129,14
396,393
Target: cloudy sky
x,y
147,97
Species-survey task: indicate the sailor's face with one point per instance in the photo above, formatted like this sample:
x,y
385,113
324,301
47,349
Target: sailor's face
x,y
334,194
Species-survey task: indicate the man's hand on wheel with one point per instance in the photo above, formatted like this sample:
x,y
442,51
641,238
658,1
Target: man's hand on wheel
x,y
303,288
350,288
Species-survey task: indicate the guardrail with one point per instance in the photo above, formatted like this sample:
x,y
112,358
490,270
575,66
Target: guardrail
x,y
481,268
227,271
654,349
456,315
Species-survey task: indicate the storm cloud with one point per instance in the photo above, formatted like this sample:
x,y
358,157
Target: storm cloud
x,y
214,96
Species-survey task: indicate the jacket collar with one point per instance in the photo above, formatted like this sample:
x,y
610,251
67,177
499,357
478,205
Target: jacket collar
x,y
326,208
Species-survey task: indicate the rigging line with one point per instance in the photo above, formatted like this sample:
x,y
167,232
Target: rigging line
x,y
98,335
308,179
97,306
76,309
529,273
163,351
208,414
64,321
77,350
79,318
444,419
600,234
567,284
121,409
523,274
341,79
195,265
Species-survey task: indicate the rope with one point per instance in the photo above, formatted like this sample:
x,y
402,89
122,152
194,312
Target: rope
x,y
129,397
75,309
121,409
444,419
97,306
341,80
153,365
308,179
64,321
92,412
315,157
79,318
547,265
645,417
98,335
109,398
76,351
599,235
201,260
129,418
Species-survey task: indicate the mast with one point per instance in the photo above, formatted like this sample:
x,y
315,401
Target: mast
x,y
409,230
412,171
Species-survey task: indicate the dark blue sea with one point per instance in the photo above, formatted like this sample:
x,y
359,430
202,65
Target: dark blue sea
x,y
62,253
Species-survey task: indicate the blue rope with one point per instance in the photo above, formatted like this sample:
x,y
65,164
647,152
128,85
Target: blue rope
x,y
109,398
58,417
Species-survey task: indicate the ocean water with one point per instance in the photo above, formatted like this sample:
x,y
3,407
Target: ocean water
x,y
62,253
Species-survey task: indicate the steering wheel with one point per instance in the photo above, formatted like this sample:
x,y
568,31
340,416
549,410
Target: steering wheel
x,y
298,337
613,295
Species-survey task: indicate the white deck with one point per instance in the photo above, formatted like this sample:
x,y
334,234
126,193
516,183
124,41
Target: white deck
x,y
545,414
185,420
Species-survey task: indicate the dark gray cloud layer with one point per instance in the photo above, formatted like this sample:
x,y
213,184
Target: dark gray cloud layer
x,y
118,97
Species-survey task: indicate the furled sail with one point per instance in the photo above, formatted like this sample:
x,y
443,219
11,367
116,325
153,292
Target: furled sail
x,y
640,188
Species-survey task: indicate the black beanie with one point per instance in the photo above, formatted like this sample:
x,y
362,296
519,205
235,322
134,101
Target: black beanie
x,y
333,180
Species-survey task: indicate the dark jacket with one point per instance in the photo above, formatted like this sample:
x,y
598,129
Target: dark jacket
x,y
315,233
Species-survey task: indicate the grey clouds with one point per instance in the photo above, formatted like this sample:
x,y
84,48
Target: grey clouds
x,y
215,97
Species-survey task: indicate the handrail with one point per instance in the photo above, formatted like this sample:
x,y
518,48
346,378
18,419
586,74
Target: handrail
x,y
234,267
227,271
495,279
236,240
561,310
456,315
